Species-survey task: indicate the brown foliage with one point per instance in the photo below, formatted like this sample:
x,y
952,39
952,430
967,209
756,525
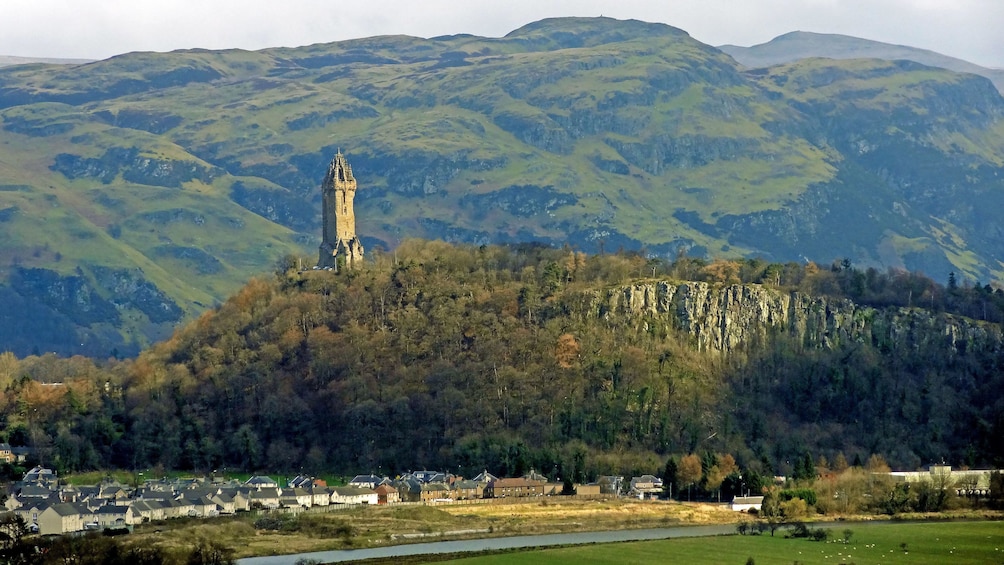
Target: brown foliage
x,y
690,469
720,271
567,352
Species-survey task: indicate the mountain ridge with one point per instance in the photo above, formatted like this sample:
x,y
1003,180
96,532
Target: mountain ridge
x,y
796,45
194,170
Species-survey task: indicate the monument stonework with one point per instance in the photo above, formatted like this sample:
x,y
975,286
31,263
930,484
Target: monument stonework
x,y
339,244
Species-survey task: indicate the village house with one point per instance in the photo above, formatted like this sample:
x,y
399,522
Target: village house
x,y
148,510
435,492
112,516
260,481
300,481
201,506
353,495
241,497
646,486
430,476
484,477
40,475
225,503
409,489
386,494
746,503
30,512
265,498
303,497
467,489
320,495
366,481
514,487
36,491
62,518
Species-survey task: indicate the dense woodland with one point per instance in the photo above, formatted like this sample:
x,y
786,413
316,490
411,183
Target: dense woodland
x,y
463,358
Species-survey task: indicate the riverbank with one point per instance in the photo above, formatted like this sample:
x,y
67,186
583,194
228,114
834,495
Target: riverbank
x,y
382,526
923,542
460,548
374,527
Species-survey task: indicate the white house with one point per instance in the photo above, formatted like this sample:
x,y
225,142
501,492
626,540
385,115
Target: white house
x,y
646,486
59,519
266,498
353,495
320,496
746,503
149,510
111,516
366,481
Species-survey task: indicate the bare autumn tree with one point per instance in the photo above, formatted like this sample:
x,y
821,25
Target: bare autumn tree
x,y
9,366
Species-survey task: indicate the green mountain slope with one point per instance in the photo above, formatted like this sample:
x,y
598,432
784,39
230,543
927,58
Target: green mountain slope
x,y
8,60
186,172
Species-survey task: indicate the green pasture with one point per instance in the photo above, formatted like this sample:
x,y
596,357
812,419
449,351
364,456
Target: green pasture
x,y
873,543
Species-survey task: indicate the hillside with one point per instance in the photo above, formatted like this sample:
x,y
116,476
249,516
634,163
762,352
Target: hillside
x,y
171,178
798,45
8,60
508,358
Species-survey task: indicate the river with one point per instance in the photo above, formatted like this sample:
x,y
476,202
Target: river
x,y
484,544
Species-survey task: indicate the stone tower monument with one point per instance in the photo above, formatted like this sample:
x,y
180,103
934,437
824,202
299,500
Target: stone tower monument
x,y
339,244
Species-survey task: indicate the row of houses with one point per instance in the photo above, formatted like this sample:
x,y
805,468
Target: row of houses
x,y
432,486
49,507
10,454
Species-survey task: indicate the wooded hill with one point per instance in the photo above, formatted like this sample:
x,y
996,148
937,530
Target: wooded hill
x,y
138,191
464,358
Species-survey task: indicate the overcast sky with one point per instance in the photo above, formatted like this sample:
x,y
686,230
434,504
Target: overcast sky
x,y
96,29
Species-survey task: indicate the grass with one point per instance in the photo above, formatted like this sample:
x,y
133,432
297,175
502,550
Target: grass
x,y
377,526
380,526
875,543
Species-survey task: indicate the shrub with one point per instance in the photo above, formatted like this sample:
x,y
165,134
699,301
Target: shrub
x,y
799,530
806,494
269,522
794,509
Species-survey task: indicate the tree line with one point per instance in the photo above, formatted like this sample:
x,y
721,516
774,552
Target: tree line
x,y
465,358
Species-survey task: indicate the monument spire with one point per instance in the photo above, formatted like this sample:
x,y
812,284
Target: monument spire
x,y
339,244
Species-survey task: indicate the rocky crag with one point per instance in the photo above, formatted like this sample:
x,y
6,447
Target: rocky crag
x,y
728,318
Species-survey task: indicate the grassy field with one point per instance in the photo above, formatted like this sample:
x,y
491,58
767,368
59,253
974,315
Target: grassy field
x,y
381,526
365,527
873,543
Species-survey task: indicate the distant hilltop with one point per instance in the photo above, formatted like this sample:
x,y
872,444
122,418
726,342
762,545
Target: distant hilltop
x,y
7,61
802,45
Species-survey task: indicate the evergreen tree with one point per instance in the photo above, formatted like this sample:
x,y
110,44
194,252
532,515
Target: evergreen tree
x,y
670,480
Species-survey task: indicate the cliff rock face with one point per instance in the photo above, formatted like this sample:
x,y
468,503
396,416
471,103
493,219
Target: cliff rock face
x,y
727,318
